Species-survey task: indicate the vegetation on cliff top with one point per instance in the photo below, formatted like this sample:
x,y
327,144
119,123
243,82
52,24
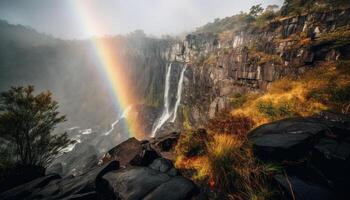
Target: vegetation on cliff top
x,y
259,17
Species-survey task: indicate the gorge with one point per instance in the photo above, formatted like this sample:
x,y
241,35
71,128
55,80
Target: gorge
x,y
251,106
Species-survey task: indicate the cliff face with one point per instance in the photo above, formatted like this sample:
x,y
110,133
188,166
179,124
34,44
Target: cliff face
x,y
223,65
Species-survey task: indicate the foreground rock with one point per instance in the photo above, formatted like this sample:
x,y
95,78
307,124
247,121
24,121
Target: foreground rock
x,y
70,163
154,182
142,174
85,186
132,152
315,153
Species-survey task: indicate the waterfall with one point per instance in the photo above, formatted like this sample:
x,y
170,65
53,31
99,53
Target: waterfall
x,y
166,113
179,92
123,115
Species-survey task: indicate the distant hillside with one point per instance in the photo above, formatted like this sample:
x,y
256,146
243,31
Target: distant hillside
x,y
70,70
23,35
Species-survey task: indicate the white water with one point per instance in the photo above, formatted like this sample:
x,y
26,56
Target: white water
x,y
179,92
123,115
166,113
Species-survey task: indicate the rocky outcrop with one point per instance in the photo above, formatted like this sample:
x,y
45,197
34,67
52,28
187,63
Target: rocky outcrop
x,y
131,152
224,64
86,186
70,163
314,152
131,170
158,181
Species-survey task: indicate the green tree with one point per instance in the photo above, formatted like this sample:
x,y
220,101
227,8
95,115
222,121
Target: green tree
x,y
27,122
256,10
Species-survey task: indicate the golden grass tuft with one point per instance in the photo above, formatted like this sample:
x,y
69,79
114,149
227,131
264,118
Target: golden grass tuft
x,y
228,168
309,94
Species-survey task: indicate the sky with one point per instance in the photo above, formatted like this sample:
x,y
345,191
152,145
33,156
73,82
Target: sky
x,y
63,18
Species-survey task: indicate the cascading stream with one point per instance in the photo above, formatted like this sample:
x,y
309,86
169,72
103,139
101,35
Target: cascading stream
x,y
179,93
123,115
166,113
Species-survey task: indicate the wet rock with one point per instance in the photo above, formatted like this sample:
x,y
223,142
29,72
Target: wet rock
x,y
167,142
316,150
302,190
175,189
163,165
144,158
85,186
23,191
132,152
124,152
146,183
332,158
135,182
19,175
286,139
70,163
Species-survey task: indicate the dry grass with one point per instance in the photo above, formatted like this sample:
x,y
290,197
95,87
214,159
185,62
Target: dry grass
x,y
229,168
303,96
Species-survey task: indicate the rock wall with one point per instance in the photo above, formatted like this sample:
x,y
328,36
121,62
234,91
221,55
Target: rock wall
x,y
222,65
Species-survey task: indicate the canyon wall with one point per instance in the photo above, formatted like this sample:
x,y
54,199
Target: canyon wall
x,y
222,65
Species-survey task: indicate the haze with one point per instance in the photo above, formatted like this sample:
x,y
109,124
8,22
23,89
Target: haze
x,y
156,17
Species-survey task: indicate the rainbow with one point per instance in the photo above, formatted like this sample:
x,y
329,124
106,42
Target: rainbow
x,y
109,65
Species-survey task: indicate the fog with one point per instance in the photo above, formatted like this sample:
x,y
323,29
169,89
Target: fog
x,y
156,17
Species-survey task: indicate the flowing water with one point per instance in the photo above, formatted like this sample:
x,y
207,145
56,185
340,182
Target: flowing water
x,y
166,112
123,115
179,92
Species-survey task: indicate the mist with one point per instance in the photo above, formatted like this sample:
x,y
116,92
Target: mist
x,y
156,17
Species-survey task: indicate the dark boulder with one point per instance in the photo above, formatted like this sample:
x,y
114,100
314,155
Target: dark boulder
x,y
70,163
20,174
131,152
290,138
164,165
167,142
85,186
175,189
303,190
124,152
332,158
145,157
315,150
134,183
25,190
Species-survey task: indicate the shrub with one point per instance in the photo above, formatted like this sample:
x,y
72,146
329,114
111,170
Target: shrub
x,y
238,100
27,122
280,110
192,143
228,124
234,170
226,165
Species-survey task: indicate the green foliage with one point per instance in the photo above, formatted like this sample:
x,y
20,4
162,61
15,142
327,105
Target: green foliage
x,y
276,111
337,39
186,118
238,100
27,121
292,7
233,23
192,143
256,10
272,168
